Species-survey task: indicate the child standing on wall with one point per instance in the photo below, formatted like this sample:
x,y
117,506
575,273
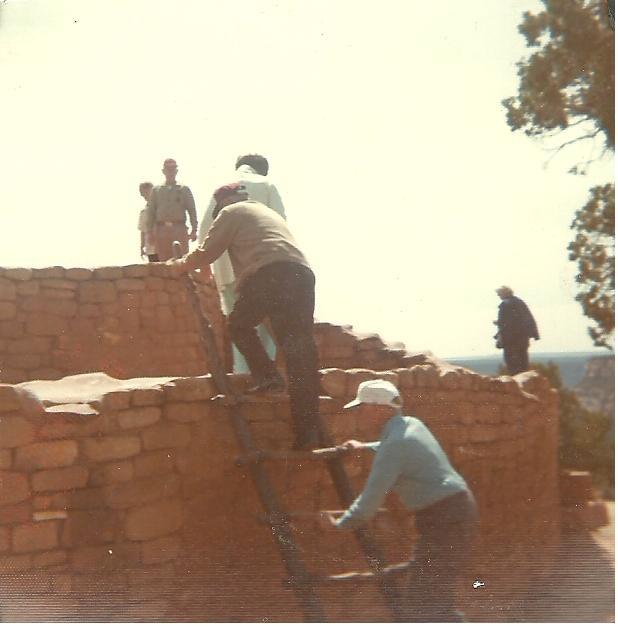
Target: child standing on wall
x,y
146,245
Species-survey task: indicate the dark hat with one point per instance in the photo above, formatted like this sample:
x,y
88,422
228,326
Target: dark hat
x,y
228,190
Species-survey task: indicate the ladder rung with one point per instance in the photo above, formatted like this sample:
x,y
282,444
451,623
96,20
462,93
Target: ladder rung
x,y
285,517
367,576
356,577
315,454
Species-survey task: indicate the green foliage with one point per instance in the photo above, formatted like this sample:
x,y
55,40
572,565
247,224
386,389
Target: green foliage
x,y
586,438
568,79
593,250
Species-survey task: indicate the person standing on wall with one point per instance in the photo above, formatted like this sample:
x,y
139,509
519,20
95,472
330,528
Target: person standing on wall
x,y
146,245
167,208
274,280
410,461
251,171
516,326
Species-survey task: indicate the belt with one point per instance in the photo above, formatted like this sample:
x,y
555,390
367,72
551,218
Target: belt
x,y
169,223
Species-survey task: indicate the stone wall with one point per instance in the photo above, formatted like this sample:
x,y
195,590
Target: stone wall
x,y
121,501
128,321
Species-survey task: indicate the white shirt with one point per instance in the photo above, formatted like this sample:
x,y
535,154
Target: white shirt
x,y
142,222
260,189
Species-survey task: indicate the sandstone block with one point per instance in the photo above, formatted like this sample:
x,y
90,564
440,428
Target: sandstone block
x,y
160,550
60,295
13,487
192,389
141,491
34,537
7,290
113,473
52,272
136,270
27,288
8,310
11,329
184,412
154,463
333,382
354,378
165,436
13,375
111,448
6,458
15,431
58,284
427,376
90,528
130,285
117,400
88,310
81,499
138,417
147,397
78,274
29,345
154,283
49,455
108,272
97,292
59,307
60,479
153,520
39,324
15,513
18,274
23,361
9,399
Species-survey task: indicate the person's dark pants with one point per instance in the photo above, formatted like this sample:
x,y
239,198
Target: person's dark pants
x,y
446,533
285,293
516,357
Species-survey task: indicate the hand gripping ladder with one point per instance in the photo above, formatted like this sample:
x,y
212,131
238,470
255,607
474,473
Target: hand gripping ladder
x,y
303,584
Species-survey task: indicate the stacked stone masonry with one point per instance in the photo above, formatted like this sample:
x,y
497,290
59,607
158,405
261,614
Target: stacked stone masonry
x,y
120,499
130,506
129,321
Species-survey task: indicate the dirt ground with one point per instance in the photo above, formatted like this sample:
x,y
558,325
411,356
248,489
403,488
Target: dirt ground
x,y
581,586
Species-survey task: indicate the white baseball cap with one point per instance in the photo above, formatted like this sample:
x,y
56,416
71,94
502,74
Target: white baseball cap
x,y
376,392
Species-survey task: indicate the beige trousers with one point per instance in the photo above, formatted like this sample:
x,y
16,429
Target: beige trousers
x,y
164,236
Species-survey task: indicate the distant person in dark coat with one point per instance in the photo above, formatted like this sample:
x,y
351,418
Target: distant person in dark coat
x,y
516,326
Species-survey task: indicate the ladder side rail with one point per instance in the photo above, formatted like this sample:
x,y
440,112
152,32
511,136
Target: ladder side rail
x,y
373,554
281,531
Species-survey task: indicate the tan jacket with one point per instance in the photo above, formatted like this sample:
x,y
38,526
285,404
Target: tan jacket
x,y
254,236
259,188
170,203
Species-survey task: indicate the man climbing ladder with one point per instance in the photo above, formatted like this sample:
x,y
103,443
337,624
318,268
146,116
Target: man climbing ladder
x,y
275,281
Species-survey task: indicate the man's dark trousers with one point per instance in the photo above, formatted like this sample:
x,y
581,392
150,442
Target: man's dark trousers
x,y
516,356
285,293
447,532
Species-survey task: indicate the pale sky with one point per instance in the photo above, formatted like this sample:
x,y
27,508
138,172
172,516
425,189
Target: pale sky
x,y
382,122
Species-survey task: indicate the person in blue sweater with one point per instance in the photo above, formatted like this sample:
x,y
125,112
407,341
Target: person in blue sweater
x,y
410,461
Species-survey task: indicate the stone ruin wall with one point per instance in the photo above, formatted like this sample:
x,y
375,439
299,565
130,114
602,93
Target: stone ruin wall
x,y
129,506
130,321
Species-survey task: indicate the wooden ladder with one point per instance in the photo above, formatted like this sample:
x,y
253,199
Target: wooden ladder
x,y
303,584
